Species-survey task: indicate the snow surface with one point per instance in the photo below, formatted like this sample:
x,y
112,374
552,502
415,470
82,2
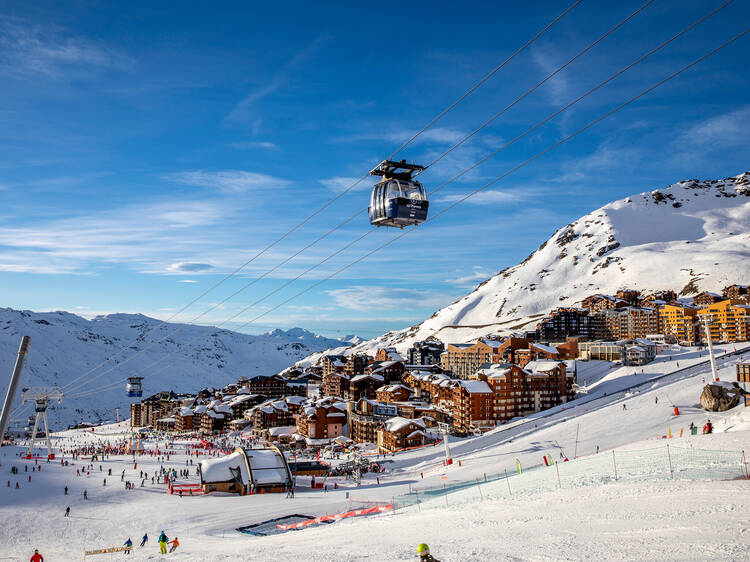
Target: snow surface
x,y
665,520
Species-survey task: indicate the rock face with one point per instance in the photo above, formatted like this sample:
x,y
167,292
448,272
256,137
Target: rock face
x,y
720,397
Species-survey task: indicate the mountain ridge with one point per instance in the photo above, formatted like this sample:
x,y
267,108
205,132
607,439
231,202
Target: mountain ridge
x,y
64,346
691,236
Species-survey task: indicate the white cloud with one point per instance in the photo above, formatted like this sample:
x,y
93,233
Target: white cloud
x,y
340,183
729,129
488,197
367,298
254,144
137,234
28,49
189,267
477,275
241,111
187,281
229,181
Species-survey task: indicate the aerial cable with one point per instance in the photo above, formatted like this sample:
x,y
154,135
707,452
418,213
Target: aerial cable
x,y
592,90
494,181
331,201
487,77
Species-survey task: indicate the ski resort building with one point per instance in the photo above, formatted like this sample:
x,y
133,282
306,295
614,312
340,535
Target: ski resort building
x,y
400,433
426,352
731,321
464,359
247,471
565,322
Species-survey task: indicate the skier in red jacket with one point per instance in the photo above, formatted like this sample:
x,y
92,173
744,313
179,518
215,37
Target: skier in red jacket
x,y
37,557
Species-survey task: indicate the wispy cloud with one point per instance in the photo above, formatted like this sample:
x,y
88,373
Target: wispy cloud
x,y
140,235
340,183
187,281
228,181
241,111
29,50
369,298
477,275
489,197
189,267
254,144
720,131
435,135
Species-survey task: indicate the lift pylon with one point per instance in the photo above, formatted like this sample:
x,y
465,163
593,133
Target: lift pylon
x,y
41,397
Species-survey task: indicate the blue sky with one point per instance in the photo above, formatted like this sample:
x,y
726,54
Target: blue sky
x,y
147,150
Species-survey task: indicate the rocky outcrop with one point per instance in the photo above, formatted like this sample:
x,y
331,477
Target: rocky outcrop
x,y
720,396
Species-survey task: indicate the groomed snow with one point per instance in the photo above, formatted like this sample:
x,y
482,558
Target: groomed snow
x,y
665,520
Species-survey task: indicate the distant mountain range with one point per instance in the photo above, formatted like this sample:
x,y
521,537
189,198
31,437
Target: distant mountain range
x,y
689,237
64,346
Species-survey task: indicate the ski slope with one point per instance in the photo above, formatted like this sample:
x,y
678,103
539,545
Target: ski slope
x,y
628,520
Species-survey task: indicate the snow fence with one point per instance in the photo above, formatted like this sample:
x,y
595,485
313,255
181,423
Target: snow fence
x,y
659,463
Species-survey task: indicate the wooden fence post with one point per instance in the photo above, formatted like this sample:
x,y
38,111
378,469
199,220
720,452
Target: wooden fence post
x,y
614,463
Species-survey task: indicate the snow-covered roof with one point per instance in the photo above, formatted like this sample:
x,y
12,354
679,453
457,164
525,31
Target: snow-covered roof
x,y
217,470
398,423
545,348
185,412
542,366
295,399
416,433
284,430
476,387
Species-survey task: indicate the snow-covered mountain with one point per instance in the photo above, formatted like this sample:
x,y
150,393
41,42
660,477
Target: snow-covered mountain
x,y
690,237
64,346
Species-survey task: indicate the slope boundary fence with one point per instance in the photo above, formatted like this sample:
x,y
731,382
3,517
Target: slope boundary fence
x,y
662,463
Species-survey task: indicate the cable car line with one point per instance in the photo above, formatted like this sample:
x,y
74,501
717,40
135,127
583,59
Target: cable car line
x,y
496,180
331,201
460,142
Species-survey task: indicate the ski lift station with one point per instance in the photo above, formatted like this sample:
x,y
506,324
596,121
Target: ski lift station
x,y
247,471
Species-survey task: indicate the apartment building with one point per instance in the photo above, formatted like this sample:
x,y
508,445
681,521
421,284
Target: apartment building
x,y
463,360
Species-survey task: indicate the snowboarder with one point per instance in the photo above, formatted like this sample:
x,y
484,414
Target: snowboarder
x,y
175,543
424,553
145,539
67,511
36,557
128,546
163,543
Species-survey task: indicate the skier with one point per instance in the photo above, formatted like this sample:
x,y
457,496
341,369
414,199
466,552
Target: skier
x,y
163,543
708,428
656,399
66,490
67,511
145,539
37,557
175,543
424,553
128,546
624,406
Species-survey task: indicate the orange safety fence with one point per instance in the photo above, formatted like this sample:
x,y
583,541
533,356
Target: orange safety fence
x,y
337,516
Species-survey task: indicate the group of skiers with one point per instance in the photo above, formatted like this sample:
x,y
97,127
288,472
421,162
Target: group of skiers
x,y
163,541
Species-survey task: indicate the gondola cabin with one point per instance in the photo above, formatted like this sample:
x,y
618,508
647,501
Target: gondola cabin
x,y
134,386
397,200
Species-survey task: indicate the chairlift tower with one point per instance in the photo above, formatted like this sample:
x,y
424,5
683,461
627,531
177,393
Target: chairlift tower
x,y
41,397
707,318
445,429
